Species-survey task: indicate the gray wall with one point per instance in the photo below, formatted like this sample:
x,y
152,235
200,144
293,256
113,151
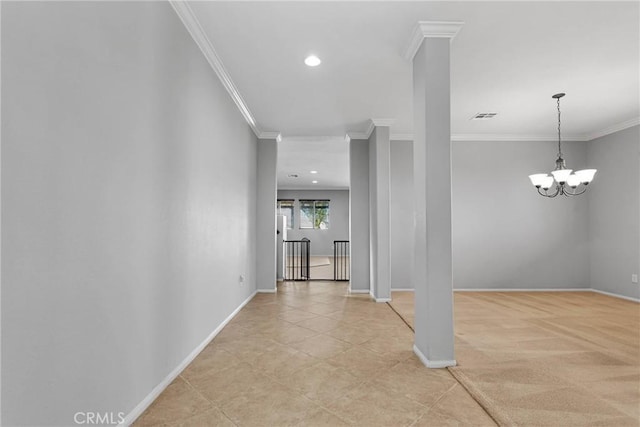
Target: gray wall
x,y
128,205
401,214
321,240
614,212
359,215
504,234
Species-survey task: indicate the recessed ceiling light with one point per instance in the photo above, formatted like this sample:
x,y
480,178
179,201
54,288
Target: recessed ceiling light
x,y
314,182
313,171
312,61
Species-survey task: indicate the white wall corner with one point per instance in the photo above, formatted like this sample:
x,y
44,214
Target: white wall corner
x,y
434,364
188,18
436,29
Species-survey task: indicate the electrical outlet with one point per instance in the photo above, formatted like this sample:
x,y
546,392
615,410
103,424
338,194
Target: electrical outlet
x,y
634,278
241,280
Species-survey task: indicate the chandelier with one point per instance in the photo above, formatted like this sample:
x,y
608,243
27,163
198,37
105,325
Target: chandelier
x,y
566,182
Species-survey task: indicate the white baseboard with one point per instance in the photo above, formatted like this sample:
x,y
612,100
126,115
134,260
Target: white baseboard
x,y
434,364
153,395
267,291
524,290
598,291
358,291
402,289
550,290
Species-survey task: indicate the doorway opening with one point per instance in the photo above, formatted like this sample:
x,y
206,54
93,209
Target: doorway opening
x,y
313,206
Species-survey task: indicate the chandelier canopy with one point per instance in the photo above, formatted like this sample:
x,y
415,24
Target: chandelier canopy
x,y
567,182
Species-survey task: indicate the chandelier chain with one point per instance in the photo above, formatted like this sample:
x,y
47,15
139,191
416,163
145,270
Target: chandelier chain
x,y
559,137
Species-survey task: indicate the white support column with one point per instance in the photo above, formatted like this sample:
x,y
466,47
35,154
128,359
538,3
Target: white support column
x,y
432,275
379,212
359,216
267,193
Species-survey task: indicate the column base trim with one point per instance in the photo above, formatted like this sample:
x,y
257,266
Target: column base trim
x,y
359,291
267,291
433,364
373,297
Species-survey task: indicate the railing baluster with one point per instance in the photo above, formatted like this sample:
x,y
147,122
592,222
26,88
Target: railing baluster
x,y
297,259
341,259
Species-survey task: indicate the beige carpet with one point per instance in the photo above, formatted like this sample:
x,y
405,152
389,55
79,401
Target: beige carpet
x,y
547,358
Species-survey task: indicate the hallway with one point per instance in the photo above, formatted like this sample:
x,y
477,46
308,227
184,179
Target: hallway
x,y
313,355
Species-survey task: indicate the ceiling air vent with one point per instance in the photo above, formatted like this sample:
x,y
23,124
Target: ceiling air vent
x,y
292,175
483,116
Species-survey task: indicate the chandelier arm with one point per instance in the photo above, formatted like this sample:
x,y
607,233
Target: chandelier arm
x,y
577,193
545,194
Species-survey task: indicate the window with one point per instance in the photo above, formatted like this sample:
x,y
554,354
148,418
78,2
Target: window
x,y
285,207
314,214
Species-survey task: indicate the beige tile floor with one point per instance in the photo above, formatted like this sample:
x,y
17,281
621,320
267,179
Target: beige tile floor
x,y
312,355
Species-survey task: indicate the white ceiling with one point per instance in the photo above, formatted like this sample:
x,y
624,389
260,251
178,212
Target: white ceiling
x,y
509,58
327,156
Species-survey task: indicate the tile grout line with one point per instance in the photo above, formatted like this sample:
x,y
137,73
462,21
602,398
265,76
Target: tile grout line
x,y
434,404
215,406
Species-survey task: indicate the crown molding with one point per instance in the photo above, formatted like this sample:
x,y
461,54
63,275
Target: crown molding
x,y
357,135
361,135
270,135
512,137
612,129
432,29
482,137
372,124
382,122
188,18
319,138
369,130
